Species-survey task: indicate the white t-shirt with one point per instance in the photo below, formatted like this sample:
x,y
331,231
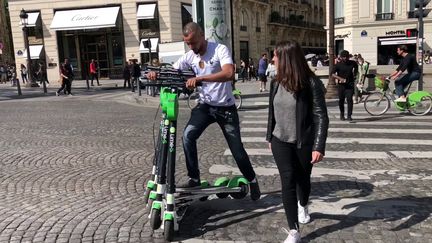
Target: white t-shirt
x,y
217,55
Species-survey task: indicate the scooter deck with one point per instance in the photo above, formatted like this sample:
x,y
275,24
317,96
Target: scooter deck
x,y
207,190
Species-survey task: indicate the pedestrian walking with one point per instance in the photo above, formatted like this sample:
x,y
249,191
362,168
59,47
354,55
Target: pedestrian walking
x,y
94,72
344,72
243,71
271,71
262,67
363,69
40,73
65,75
3,74
251,70
210,60
126,75
23,71
297,130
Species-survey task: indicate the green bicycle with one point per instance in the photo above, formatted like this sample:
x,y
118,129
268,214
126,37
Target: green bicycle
x,y
377,103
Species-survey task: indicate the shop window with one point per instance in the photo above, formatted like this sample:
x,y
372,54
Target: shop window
x,y
149,27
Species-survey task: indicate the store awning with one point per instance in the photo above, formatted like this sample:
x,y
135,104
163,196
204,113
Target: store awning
x,y
35,52
397,41
146,11
188,8
32,19
85,18
154,44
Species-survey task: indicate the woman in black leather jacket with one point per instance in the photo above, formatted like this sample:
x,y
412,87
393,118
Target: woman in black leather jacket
x,y
297,130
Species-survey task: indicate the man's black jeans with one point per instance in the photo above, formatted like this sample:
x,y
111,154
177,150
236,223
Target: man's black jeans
x,y
345,92
227,118
295,169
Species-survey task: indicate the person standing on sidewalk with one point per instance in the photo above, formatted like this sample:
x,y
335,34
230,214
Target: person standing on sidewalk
x,y
262,67
344,72
271,71
126,75
213,66
94,72
297,130
136,73
23,71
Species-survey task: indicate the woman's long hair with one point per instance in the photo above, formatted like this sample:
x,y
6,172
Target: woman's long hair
x,y
293,72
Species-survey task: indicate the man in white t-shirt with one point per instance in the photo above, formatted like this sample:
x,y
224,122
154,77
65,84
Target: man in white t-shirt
x,y
213,66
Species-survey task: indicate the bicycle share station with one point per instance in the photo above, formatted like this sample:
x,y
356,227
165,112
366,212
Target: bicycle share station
x,y
377,103
167,203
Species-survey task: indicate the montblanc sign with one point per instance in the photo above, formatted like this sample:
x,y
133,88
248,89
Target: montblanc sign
x,y
395,32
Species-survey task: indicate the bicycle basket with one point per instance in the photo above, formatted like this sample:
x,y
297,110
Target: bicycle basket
x,y
381,83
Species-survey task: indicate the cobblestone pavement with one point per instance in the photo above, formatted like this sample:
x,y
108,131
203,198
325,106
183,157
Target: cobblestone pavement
x,y
73,169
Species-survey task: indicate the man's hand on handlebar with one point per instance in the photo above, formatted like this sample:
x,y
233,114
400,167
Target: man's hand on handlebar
x,y
152,75
192,83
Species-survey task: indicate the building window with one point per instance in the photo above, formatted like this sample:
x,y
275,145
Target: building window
x,y
258,19
186,13
243,21
339,12
385,6
150,29
385,10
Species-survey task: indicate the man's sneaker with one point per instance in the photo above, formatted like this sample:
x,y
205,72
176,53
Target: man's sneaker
x,y
191,183
342,118
400,99
57,93
293,236
255,192
349,118
303,214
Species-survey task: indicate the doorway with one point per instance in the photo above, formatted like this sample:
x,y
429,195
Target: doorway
x,y
95,47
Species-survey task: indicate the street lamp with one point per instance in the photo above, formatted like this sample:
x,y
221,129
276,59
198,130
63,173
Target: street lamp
x,y
24,22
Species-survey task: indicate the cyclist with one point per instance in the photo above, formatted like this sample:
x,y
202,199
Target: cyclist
x,y
409,64
213,66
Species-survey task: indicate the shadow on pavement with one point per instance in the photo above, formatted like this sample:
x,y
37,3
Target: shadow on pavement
x,y
412,210
203,217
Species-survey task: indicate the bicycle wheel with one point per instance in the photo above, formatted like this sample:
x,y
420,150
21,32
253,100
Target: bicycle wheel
x,y
421,107
193,100
377,104
238,101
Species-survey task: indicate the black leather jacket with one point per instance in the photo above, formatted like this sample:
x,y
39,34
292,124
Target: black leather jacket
x,y
312,120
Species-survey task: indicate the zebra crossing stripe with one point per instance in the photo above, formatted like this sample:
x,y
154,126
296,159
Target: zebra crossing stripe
x,y
339,140
412,154
328,154
354,130
400,123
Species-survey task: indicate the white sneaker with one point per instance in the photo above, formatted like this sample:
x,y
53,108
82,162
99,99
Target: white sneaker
x,y
293,236
400,99
57,94
303,214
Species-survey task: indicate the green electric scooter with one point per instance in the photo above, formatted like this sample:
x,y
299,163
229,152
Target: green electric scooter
x,y
167,203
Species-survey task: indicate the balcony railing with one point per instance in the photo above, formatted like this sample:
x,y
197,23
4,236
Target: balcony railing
x,y
384,16
295,22
340,20
243,28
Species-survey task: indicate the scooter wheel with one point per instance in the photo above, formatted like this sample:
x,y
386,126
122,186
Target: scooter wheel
x,y
155,220
169,230
243,192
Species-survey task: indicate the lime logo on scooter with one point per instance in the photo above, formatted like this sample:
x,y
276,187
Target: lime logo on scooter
x,y
165,132
172,139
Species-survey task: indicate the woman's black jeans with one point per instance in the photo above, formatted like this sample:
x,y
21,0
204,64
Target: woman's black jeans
x,y
295,169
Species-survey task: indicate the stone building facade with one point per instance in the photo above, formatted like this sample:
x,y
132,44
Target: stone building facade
x,y
374,28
